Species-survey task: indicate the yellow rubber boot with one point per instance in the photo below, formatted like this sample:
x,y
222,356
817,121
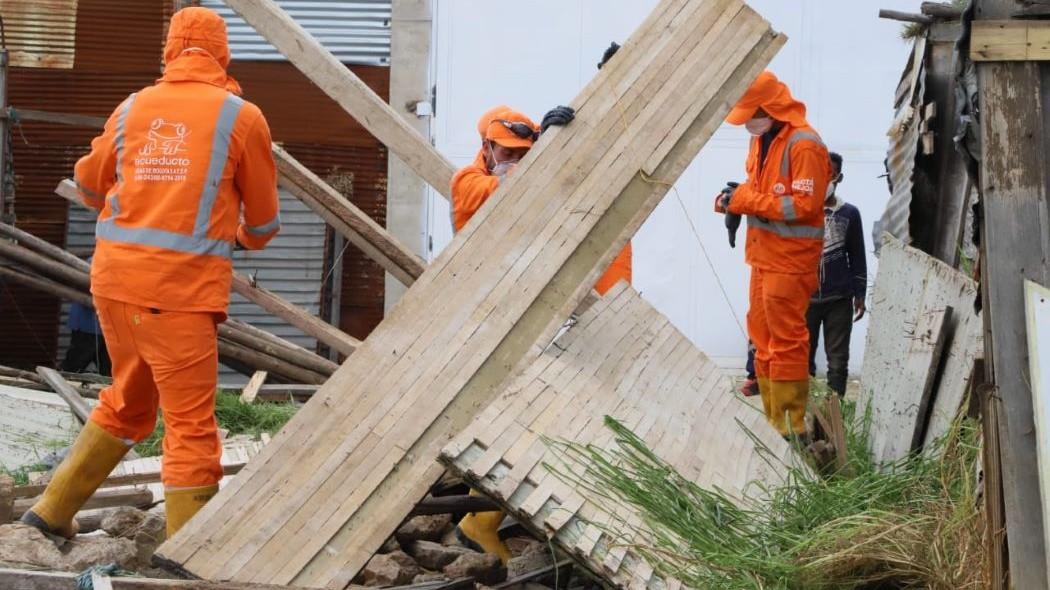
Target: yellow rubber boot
x,y
180,504
766,393
92,457
483,529
789,401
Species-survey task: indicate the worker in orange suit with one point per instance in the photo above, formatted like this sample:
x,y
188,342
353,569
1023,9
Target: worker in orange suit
x,y
182,174
788,174
506,136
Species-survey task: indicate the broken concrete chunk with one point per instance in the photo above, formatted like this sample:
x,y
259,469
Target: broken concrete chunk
x,y
520,545
88,550
434,556
485,568
528,562
390,546
428,527
390,569
23,546
123,521
429,577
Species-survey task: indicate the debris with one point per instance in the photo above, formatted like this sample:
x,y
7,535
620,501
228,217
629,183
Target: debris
x,y
429,527
522,545
251,390
88,550
24,546
434,556
485,568
429,577
390,546
390,569
529,562
145,529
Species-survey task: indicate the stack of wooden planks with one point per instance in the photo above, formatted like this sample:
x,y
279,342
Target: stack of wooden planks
x,y
625,360
320,499
922,342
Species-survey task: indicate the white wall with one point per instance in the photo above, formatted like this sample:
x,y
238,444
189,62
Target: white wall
x,y
840,59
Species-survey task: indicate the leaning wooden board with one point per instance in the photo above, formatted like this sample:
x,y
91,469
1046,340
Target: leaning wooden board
x,y
622,359
910,281
314,506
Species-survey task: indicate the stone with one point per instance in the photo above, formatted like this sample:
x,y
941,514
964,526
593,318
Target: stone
x,y
390,546
123,521
450,538
23,546
390,569
429,527
145,529
434,556
88,550
425,577
485,568
520,545
528,562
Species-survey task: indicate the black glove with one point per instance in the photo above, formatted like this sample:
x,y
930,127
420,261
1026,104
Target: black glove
x,y
611,51
732,219
560,116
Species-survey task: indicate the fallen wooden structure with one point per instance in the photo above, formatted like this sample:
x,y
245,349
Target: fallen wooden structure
x,y
625,360
352,463
916,376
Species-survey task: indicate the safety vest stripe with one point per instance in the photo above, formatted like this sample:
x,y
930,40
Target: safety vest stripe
x,y
787,205
787,231
109,230
87,192
220,149
266,228
118,139
785,160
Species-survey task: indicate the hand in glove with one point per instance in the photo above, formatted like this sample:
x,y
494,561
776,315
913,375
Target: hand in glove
x,y
611,51
722,206
559,115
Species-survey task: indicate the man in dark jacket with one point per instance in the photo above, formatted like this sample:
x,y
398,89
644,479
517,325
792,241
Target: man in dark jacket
x,y
839,300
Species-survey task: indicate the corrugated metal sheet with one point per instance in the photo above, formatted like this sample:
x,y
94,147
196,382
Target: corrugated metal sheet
x,y
41,33
904,145
117,51
356,32
291,266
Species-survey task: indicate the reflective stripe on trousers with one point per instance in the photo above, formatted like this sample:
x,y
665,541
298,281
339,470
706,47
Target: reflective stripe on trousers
x,y
198,242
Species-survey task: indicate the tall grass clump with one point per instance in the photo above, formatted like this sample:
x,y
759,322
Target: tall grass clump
x,y
233,415
916,523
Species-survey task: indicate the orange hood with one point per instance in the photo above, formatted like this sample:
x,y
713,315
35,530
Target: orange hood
x,y
197,28
771,95
488,128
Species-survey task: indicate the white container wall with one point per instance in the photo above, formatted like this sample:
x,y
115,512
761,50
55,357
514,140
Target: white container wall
x,y
840,59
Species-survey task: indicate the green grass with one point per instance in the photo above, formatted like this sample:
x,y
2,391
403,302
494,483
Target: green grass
x,y
234,416
914,523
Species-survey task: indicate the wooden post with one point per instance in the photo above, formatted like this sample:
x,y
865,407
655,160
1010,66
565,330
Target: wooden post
x,y
43,264
1016,241
28,240
62,387
263,361
252,388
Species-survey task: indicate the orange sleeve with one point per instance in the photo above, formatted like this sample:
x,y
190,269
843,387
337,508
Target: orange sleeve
x,y
96,173
619,270
810,175
471,187
256,180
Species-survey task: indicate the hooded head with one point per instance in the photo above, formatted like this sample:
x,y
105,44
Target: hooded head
x,y
772,96
197,28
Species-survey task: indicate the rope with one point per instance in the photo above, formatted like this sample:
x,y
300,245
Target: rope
x,y
84,578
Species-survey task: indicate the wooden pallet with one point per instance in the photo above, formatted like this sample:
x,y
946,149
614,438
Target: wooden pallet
x,y
622,359
319,500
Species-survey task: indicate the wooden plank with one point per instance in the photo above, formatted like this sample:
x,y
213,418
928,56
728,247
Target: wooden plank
x,y
506,283
1037,314
13,579
1010,40
338,82
137,497
32,490
1016,241
69,393
252,388
296,316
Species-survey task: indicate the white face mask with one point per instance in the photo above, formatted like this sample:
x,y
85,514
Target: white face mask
x,y
502,168
759,125
831,190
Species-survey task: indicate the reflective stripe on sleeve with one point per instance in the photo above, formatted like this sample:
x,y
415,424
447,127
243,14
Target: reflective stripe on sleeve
x,y
785,160
785,230
787,205
266,228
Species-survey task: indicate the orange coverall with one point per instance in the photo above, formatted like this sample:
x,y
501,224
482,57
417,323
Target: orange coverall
x,y
176,167
474,184
783,199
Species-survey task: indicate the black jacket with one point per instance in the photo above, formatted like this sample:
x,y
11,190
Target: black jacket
x,y
843,267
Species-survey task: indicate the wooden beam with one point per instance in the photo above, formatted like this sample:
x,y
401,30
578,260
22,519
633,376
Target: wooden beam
x,y
362,451
252,388
136,497
345,88
113,481
13,579
62,387
1015,159
7,498
453,505
262,361
296,316
262,341
908,17
44,247
941,10
355,225
1010,40
43,264
45,285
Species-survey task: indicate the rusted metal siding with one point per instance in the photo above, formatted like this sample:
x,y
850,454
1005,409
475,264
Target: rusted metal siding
x,y
40,33
117,51
314,129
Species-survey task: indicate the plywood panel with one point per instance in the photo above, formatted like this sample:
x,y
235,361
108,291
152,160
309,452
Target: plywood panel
x,y
623,359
